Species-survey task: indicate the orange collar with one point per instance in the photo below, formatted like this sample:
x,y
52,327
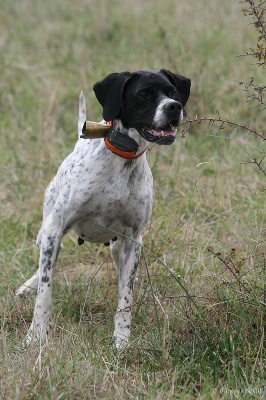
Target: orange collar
x,y
130,155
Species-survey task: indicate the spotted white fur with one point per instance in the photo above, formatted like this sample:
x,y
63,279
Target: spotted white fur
x,y
93,189
101,196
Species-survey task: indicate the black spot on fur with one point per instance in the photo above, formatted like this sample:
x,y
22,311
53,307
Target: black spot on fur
x,y
45,279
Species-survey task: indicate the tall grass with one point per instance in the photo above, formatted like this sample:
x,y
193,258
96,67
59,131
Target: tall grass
x,y
199,308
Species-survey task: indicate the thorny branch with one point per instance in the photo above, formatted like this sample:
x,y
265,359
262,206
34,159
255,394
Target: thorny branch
x,y
257,10
230,266
257,163
228,263
222,122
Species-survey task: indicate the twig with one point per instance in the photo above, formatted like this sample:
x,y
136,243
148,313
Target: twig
x,y
256,10
230,268
222,122
258,163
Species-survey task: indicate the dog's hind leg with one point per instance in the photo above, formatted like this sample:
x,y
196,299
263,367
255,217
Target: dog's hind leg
x,y
114,250
29,286
128,262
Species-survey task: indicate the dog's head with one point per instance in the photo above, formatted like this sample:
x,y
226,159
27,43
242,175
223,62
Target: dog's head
x,y
152,102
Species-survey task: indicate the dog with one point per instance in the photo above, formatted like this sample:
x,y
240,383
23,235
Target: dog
x,y
104,188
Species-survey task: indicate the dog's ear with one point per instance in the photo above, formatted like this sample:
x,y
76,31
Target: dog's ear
x,y
109,93
181,83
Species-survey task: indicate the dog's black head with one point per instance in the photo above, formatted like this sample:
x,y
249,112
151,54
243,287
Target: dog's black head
x,y
152,102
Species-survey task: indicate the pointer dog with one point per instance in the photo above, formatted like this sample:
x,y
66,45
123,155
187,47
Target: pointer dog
x,y
103,189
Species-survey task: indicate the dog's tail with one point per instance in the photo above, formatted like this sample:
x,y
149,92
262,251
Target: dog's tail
x,y
82,113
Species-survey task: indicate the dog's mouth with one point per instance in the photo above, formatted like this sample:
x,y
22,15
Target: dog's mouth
x,y
165,135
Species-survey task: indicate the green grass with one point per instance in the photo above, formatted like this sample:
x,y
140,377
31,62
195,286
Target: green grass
x,y
198,327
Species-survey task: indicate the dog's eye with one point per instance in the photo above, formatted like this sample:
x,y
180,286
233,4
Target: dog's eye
x,y
144,96
172,94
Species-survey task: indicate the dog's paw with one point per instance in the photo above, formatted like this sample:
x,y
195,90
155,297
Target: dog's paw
x,y
35,336
24,290
29,338
32,338
120,341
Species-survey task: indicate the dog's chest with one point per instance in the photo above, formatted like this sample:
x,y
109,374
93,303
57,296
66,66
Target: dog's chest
x,y
110,194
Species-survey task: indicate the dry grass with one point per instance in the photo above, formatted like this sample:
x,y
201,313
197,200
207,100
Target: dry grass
x,y
198,323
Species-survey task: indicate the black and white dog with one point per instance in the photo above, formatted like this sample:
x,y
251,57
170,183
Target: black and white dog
x,y
103,189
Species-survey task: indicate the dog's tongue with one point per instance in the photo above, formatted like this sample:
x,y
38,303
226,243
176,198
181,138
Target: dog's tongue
x,y
163,132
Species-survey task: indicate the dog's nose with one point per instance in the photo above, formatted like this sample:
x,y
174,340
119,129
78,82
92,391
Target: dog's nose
x,y
174,107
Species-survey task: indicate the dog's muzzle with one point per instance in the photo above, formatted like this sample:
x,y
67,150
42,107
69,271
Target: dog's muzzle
x,y
164,136
167,117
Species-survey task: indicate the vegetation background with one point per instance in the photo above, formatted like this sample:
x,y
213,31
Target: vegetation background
x,y
199,311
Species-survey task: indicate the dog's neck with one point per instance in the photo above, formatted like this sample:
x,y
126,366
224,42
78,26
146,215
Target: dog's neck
x,y
133,134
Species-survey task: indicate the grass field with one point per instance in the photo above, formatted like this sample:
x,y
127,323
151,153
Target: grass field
x,y
199,311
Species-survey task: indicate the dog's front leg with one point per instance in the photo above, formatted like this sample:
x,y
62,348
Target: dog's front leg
x,y
50,243
129,256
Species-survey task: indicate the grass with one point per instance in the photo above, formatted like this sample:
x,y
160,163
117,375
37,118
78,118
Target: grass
x,y
198,318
